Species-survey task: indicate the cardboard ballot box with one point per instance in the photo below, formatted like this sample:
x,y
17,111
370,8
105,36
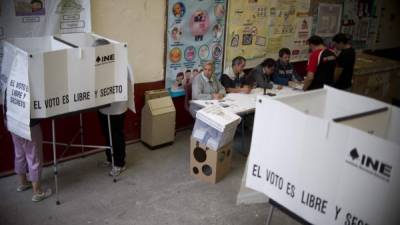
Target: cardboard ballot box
x,y
328,156
54,75
208,164
158,122
215,126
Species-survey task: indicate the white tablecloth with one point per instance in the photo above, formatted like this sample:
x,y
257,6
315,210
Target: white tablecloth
x,y
243,103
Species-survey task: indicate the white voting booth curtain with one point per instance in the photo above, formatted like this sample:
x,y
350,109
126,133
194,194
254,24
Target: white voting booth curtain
x,y
62,74
324,171
19,18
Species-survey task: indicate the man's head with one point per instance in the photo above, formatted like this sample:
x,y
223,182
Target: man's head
x,y
268,66
238,64
36,5
188,74
208,69
179,78
284,55
314,42
340,41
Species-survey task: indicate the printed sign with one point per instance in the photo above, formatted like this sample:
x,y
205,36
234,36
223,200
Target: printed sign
x,y
195,35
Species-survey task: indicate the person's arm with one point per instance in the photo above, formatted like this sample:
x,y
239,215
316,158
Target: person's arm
x,y
338,73
308,80
311,69
221,90
197,91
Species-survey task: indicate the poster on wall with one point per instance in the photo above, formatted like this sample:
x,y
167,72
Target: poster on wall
x,y
328,21
195,34
288,25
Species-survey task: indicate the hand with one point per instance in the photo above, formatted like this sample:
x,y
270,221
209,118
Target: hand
x,y
217,96
245,90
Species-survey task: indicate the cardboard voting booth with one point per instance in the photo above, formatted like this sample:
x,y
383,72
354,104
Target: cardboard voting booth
x,y
158,122
54,75
215,126
207,164
329,156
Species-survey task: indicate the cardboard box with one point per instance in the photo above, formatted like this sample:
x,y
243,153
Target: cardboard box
x,y
208,164
158,122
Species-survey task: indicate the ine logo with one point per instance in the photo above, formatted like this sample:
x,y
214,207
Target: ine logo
x,y
100,60
369,164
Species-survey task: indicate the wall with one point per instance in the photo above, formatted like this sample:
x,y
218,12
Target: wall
x,y
140,23
389,23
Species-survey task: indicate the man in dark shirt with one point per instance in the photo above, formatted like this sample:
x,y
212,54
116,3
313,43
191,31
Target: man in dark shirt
x,y
321,65
260,76
284,71
345,62
233,77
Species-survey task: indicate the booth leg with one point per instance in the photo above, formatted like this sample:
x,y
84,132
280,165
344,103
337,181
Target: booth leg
x,y
271,211
81,133
53,127
111,146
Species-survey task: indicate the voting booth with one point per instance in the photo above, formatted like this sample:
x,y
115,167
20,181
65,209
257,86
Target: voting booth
x,y
158,121
54,75
328,156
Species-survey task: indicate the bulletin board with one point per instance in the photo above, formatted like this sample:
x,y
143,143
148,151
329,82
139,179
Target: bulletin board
x,y
288,25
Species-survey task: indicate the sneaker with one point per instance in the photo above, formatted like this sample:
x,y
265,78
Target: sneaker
x,y
24,187
116,170
105,164
41,196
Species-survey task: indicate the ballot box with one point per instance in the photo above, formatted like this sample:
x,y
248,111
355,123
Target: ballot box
x,y
328,156
215,126
54,75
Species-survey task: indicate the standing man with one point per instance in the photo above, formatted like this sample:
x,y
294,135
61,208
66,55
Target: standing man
x,y
233,78
284,71
260,76
345,62
321,65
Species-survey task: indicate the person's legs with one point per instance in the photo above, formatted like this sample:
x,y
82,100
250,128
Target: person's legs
x,y
20,165
34,157
104,129
118,139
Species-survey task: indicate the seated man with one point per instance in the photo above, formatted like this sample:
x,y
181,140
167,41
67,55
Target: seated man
x,y
233,78
284,71
260,76
206,86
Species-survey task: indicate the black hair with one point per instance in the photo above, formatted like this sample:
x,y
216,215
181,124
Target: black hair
x,y
180,74
100,41
268,63
37,1
238,60
341,38
315,40
284,51
188,71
